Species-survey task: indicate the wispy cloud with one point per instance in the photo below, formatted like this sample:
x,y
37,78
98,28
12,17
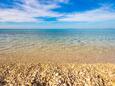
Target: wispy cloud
x,y
38,10
29,10
101,14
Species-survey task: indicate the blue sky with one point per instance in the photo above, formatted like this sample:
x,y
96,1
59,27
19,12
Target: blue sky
x,y
57,14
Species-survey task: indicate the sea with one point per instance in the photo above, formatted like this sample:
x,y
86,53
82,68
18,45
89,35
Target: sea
x,y
18,38
58,45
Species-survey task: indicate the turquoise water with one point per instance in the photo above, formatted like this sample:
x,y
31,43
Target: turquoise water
x,y
24,38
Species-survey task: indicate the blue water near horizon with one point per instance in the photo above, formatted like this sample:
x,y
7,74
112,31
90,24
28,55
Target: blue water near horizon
x,y
24,37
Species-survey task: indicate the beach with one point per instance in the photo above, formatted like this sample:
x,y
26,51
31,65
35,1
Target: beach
x,y
60,54
18,74
57,58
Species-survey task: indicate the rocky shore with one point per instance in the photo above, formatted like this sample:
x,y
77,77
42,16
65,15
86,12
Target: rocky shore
x,y
20,74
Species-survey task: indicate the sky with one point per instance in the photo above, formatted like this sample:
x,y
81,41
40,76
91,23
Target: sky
x,y
54,14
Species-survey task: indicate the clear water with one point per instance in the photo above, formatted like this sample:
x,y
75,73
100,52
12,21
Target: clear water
x,y
24,38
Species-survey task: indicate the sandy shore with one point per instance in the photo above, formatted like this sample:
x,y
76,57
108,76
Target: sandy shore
x,y
60,54
57,65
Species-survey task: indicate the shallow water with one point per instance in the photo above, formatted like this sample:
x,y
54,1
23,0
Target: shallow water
x,y
11,38
98,42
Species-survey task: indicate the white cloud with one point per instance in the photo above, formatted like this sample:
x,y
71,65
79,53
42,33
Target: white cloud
x,y
100,14
29,10
13,15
